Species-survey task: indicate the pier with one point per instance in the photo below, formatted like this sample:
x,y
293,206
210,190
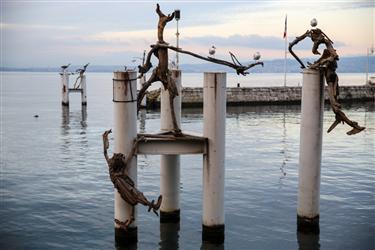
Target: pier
x,y
239,96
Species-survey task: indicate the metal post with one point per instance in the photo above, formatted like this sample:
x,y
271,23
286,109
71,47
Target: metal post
x,y
125,131
214,112
65,88
310,151
83,91
170,164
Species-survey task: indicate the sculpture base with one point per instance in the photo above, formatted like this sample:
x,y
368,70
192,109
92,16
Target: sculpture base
x,y
170,217
308,225
213,234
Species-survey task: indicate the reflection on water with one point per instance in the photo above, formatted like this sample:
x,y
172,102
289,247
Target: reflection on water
x,y
308,241
56,192
169,234
142,120
209,246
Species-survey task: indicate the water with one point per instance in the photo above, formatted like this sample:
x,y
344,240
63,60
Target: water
x,y
56,192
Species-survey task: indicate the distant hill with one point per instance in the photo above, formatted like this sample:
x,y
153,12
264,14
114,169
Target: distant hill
x,y
345,65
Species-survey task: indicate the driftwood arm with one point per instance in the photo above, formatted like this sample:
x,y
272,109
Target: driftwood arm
x,y
294,42
240,69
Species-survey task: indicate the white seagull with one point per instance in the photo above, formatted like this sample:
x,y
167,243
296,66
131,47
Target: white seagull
x,y
212,51
256,56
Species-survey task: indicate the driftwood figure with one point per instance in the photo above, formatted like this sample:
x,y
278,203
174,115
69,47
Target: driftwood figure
x,y
328,63
81,73
161,72
118,173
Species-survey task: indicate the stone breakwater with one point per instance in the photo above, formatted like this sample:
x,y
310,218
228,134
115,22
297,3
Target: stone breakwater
x,y
193,97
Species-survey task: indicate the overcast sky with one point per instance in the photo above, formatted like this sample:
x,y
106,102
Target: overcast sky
x,y
52,33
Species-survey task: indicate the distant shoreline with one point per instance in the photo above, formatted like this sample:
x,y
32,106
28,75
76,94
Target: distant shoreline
x,y
345,65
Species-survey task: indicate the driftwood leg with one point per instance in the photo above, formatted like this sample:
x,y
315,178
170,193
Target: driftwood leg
x,y
145,86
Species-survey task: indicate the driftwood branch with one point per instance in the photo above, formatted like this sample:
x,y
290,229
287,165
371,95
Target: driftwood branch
x,y
240,69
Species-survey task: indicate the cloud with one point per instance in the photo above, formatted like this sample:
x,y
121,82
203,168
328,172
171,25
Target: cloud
x,y
31,27
249,41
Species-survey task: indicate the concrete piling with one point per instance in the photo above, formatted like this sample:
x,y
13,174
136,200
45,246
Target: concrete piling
x,y
83,91
65,88
310,151
125,131
170,164
214,113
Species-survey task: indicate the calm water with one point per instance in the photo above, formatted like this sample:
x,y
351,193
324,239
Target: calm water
x,y
56,192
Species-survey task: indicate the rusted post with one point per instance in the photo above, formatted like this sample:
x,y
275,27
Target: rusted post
x,y
214,112
125,131
170,164
64,88
83,90
310,151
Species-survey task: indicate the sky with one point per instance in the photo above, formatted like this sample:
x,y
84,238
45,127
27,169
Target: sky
x,y
49,33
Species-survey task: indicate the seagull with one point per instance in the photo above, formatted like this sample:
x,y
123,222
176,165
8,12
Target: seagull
x,y
256,56
313,22
212,50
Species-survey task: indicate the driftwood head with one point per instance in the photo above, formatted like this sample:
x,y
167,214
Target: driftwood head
x,y
163,20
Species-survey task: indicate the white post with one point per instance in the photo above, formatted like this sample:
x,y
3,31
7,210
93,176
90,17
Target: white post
x,y
125,131
214,112
310,151
170,164
141,82
83,91
65,88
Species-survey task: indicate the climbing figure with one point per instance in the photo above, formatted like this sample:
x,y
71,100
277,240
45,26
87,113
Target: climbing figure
x,y
328,64
81,73
118,172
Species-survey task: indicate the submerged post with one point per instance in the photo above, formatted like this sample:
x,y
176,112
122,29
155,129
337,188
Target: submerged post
x,y
170,164
125,131
214,112
310,151
64,88
83,91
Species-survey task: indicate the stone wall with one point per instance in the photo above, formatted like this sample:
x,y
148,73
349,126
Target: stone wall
x,y
193,97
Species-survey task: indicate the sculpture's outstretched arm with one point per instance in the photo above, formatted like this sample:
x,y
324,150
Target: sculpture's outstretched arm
x,y
147,65
294,42
240,69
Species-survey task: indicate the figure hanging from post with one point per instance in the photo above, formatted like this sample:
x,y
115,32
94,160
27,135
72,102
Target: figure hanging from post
x,y
118,172
328,64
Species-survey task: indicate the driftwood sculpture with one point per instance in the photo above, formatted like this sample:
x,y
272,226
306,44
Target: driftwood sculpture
x,y
118,173
81,73
161,72
328,63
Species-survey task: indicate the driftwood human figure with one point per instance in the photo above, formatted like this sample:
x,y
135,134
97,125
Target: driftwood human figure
x,y
81,73
328,63
118,172
161,72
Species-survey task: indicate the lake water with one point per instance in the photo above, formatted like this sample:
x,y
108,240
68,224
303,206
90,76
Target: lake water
x,y
56,192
